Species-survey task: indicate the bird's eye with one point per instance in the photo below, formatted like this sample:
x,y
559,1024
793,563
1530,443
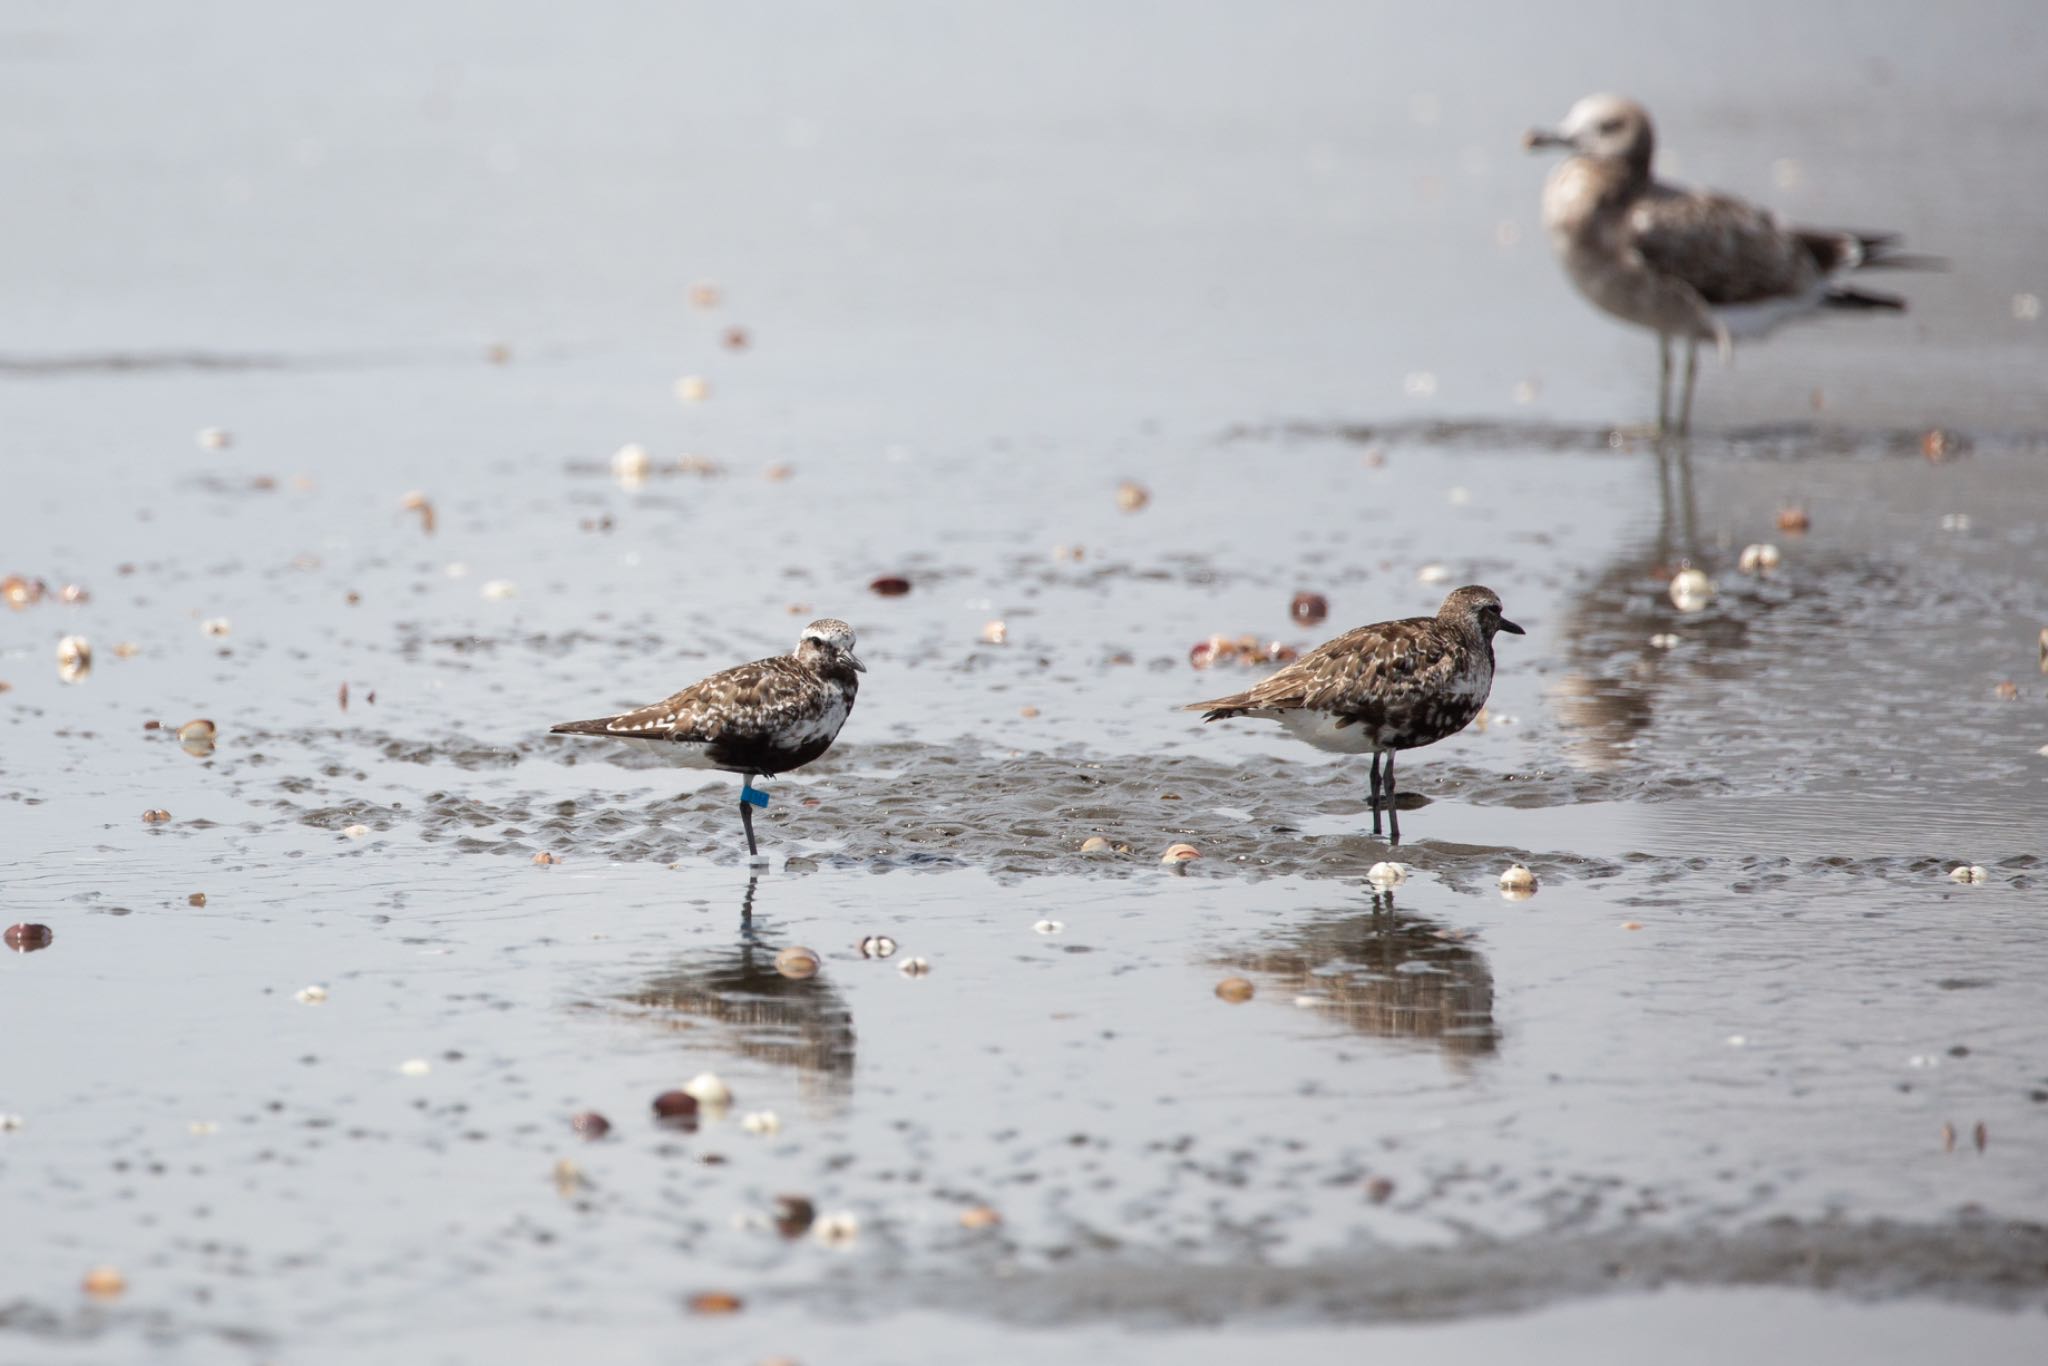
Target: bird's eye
x,y
1611,127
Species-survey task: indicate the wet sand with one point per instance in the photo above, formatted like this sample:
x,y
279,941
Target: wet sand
x,y
1718,1083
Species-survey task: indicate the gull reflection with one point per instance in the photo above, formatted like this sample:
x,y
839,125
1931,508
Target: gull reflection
x,y
758,1013
1385,974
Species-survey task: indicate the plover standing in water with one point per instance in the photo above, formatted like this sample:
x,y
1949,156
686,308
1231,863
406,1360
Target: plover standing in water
x,y
1383,688
1687,264
757,719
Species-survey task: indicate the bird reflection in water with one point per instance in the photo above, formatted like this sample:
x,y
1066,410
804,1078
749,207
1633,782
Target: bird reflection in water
x,y
1387,975
760,1014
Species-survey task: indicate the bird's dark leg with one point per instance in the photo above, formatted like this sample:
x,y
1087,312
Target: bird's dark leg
x,y
1692,373
1663,382
1375,792
1393,809
747,816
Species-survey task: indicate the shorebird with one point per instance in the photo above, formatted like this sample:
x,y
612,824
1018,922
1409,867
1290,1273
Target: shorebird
x,y
1387,687
1687,264
757,719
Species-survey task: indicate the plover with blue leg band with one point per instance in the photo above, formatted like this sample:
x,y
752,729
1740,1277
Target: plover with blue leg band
x,y
1383,688
1688,264
756,720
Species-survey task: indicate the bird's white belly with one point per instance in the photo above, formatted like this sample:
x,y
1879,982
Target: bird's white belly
x,y
1746,322
1321,730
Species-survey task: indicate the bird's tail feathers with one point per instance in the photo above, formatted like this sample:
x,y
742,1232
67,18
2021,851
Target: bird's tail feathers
x,y
597,727
1843,297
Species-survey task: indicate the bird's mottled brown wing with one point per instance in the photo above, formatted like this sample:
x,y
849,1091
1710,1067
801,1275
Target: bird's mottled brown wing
x,y
746,704
1729,251
1388,664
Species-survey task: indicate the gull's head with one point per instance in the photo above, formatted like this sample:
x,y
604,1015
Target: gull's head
x,y
1604,126
832,638
1474,608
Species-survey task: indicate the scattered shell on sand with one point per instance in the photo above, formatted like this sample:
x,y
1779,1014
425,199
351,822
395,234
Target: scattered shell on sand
x,y
74,658
915,967
311,995
736,339
798,963
1308,609
1761,558
1517,876
677,1107
156,815
877,946
836,1230
1379,1190
693,388
590,1124
1095,844
1664,640
705,294
423,505
1955,521
1631,924
196,899
1131,496
1795,520
715,1302
216,626
415,1067
762,1122
794,1215
1235,990
1048,927
355,832
1385,875
995,633
709,1090
497,590
979,1217
2007,691
105,1282
1691,590
568,1178
28,938
1179,853
1968,873
889,586
631,463
544,858
214,438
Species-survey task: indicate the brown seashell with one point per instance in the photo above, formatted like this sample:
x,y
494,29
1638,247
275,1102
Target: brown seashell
x,y
715,1302
979,1217
1794,519
196,899
1309,608
1235,990
676,1107
27,938
1132,496
1180,853
543,858
419,502
590,1124
798,963
793,1215
105,1282
155,816
890,586
736,339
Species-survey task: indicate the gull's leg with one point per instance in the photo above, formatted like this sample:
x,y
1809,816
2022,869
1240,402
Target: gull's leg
x,y
1375,792
1393,809
747,816
1692,372
1663,382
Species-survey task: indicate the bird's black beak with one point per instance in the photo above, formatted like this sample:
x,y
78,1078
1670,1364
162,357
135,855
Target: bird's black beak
x,y
858,667
1537,139
1511,628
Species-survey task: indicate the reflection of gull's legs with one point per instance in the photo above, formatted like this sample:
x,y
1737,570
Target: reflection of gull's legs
x,y
1663,381
1692,372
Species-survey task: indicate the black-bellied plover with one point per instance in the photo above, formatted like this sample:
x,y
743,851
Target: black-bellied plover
x,y
1687,264
1387,687
755,720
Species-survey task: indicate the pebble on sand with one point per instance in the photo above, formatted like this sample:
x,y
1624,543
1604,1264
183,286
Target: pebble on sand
x,y
355,832
995,633
216,626
1048,926
544,859
155,816
497,590
196,899
631,463
1385,875
676,1107
794,1215
1517,883
1235,990
1180,853
214,438
1968,873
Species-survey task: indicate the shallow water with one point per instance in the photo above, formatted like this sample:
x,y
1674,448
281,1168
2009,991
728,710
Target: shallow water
x,y
1693,1092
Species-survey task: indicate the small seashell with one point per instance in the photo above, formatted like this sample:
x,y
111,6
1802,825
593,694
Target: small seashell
x,y
1691,590
1028,713
215,626
74,658
1664,640
762,1122
214,438
105,1283
415,1067
1179,853
2007,691
311,995
979,1217
1095,844
1955,521
1379,1190
202,1128
793,1215
1631,924
914,967
1980,1136
10,1123
420,503
877,946
631,464
994,633
890,586
1386,875
1432,573
126,649
28,938
736,339
1130,496
1794,519
590,1124
693,388
72,593
1048,927
155,816
544,858
779,473
1968,873
497,590
355,832
1758,559
709,1090
798,963
704,294
1309,608
715,1302
1948,1137
1517,876
568,1178
198,737
1235,990
677,1107
196,899
836,1230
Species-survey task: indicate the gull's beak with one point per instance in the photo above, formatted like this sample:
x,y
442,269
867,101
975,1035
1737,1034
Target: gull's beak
x,y
1511,628
1536,139
858,667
